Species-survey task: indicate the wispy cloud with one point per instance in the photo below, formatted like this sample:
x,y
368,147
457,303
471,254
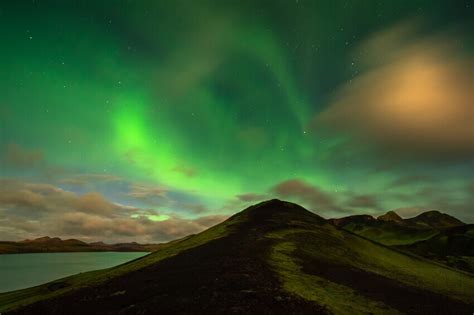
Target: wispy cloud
x,y
88,179
251,197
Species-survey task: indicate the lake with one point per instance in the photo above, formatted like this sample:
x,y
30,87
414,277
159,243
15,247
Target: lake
x,y
18,271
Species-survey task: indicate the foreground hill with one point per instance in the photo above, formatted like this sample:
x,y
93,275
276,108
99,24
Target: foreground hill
x,y
274,257
391,229
48,244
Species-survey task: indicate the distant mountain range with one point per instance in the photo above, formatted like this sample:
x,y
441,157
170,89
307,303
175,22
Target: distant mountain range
x,y
391,229
274,258
432,234
426,220
48,244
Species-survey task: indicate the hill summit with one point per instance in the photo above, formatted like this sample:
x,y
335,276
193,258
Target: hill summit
x,y
390,216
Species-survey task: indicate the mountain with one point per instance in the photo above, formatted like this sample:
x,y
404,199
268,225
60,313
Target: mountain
x,y
434,219
453,246
391,229
391,216
48,244
44,239
353,219
273,257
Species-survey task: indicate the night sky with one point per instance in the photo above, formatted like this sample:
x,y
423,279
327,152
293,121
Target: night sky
x,y
150,120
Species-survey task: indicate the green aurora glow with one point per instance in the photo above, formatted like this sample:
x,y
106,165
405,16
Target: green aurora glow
x,y
208,100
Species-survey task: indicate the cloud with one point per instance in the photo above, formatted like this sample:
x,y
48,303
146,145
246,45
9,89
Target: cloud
x,y
186,171
411,180
89,179
138,229
251,197
16,156
415,101
77,223
96,203
30,197
17,159
161,196
363,201
324,203
195,208
308,194
29,210
146,193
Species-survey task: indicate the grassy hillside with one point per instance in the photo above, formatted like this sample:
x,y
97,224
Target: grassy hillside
x,y
454,247
272,257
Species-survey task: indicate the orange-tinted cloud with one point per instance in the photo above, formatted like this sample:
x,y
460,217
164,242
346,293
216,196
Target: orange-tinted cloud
x,y
416,100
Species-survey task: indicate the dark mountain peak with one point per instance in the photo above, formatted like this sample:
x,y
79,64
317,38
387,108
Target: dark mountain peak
x,y
434,219
359,218
390,216
277,212
430,213
271,206
45,239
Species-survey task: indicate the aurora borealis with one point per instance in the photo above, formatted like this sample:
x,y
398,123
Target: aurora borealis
x,y
149,120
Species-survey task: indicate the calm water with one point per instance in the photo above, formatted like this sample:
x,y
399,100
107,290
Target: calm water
x,y
18,271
